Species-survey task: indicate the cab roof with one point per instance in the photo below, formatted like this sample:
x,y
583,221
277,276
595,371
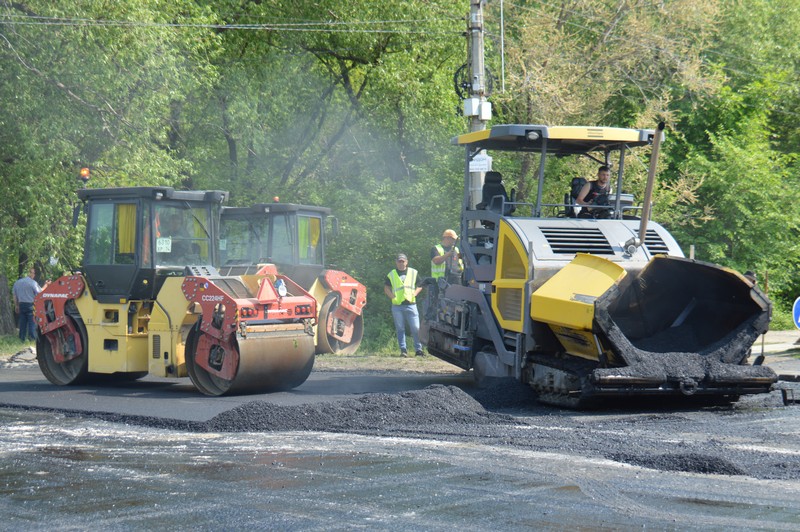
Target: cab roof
x,y
566,140
154,193
275,208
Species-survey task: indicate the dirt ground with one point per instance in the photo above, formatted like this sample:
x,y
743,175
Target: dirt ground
x,y
365,362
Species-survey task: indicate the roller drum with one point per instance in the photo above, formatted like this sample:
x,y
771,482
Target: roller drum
x,y
271,358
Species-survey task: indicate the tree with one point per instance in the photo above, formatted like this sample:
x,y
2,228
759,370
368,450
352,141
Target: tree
x,y
85,83
614,63
737,149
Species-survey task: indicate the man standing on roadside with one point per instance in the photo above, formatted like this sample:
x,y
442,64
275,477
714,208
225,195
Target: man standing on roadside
x,y
25,289
402,288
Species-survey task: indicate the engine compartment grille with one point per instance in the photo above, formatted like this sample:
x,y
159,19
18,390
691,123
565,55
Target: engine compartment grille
x,y
571,240
654,243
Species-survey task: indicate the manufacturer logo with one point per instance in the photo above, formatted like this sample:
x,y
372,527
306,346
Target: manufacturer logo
x,y
55,296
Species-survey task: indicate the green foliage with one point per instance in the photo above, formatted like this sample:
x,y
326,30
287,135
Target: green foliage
x,y
733,171
10,345
782,319
351,105
81,94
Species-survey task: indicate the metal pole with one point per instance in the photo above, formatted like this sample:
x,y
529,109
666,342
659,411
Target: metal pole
x,y
502,47
651,177
618,186
478,109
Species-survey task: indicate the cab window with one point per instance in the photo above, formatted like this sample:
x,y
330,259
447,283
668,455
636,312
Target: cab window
x,y
282,240
181,236
309,230
111,234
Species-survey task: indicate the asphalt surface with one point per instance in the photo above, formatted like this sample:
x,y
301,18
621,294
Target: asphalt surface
x,y
391,450
23,385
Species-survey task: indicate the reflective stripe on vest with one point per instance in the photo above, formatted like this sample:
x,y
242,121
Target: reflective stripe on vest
x,y
403,291
438,270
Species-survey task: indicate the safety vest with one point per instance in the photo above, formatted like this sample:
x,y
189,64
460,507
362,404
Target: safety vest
x,y
438,270
403,290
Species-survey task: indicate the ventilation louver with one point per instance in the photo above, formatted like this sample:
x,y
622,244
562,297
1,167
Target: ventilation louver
x,y
571,240
654,243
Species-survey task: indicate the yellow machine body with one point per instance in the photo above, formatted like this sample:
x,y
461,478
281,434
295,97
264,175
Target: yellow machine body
x,y
153,343
566,302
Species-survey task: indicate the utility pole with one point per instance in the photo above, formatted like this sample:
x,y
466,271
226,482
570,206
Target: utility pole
x,y
476,107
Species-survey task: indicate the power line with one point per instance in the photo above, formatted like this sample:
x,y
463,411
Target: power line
x,y
306,26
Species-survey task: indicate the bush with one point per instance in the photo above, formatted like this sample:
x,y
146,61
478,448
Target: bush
x,y
10,345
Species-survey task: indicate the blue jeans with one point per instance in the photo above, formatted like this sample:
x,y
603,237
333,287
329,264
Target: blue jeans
x,y
403,314
26,322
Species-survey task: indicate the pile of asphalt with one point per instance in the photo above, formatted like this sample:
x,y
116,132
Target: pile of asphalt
x,y
660,436
690,463
379,412
437,409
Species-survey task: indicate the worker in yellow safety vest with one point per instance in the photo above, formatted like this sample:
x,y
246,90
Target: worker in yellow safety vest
x,y
446,259
402,287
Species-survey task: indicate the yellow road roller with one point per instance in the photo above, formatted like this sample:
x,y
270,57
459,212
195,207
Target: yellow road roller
x,y
148,300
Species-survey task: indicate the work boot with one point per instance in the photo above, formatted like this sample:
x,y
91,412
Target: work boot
x,y
404,353
420,353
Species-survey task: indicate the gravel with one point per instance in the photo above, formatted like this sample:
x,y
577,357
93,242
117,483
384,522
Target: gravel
x,y
372,413
756,436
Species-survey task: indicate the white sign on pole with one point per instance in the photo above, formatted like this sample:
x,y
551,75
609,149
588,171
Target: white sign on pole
x,y
480,163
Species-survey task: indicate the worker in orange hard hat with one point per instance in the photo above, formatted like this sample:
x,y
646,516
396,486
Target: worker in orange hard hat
x,y
446,259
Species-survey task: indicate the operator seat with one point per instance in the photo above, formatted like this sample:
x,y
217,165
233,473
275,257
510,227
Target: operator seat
x,y
571,197
494,196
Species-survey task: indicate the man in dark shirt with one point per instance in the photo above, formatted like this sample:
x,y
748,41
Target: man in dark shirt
x,y
25,290
596,193
402,286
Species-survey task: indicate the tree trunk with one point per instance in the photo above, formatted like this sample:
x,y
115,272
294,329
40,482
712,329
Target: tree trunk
x,y
7,323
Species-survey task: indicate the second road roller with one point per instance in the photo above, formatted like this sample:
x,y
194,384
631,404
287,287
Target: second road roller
x,y
292,237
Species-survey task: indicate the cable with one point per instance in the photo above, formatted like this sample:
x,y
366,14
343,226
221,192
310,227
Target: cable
x,y
308,26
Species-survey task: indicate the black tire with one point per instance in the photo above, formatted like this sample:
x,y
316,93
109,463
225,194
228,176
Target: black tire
x,y
330,344
205,382
73,371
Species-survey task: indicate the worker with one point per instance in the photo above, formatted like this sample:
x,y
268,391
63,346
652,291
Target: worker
x,y
446,259
25,290
173,227
596,193
402,287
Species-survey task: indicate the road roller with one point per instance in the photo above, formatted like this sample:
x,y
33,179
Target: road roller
x,y
588,301
149,301
292,237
